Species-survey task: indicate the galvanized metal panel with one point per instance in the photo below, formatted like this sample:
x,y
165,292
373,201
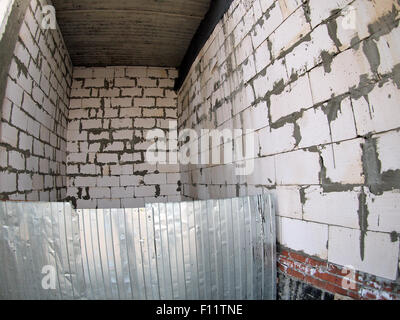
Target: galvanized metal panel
x,y
214,249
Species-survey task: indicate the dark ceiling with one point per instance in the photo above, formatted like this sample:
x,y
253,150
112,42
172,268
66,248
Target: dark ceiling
x,y
129,32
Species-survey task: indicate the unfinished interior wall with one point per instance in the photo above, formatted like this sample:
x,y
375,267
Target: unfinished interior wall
x,y
34,109
321,92
111,111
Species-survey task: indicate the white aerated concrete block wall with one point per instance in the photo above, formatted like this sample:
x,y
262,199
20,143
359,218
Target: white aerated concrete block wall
x,y
34,114
110,113
321,92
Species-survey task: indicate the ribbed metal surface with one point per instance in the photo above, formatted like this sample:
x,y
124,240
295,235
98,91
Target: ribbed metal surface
x,y
129,32
214,249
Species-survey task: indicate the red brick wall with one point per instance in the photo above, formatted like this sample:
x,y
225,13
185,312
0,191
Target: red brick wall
x,y
333,278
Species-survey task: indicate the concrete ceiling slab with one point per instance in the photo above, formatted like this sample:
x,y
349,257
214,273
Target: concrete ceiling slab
x,y
129,32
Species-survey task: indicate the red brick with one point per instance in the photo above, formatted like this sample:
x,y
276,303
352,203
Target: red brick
x,y
387,288
286,262
284,253
301,267
354,295
297,257
373,284
315,282
332,288
370,295
281,268
295,274
334,269
329,278
316,263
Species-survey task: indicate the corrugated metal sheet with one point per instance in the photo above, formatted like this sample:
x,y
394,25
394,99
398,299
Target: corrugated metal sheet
x,y
214,249
129,32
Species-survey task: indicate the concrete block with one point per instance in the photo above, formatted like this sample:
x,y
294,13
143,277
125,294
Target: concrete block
x,y
8,181
131,157
166,83
121,169
297,167
3,157
173,178
86,204
288,202
80,93
129,180
268,23
288,6
107,181
343,162
365,16
91,103
321,10
309,237
85,181
9,134
314,128
160,178
153,92
130,112
144,123
380,112
77,157
124,82
383,211
264,172
121,102
136,72
99,193
374,253
157,72
262,56
75,103
291,31
310,53
80,72
348,66
121,123
122,192
295,97
145,191
16,160
94,83
89,169
333,208
107,158
341,123
388,149
19,118
144,102
91,124
273,141
166,102
147,82
132,202
169,190
14,92
131,92
114,146
109,203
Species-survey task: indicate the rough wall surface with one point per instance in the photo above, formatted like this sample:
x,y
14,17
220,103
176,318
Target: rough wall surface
x,y
301,277
34,114
111,111
321,94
